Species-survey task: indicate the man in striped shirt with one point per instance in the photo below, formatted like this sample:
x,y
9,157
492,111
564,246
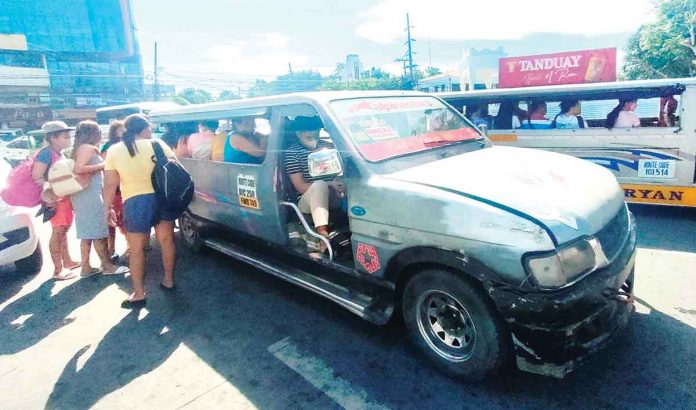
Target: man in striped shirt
x,y
316,194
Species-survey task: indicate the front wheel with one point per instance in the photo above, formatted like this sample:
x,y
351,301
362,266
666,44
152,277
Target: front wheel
x,y
190,232
32,263
455,326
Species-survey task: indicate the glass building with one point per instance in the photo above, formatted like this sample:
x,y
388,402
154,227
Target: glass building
x,y
88,48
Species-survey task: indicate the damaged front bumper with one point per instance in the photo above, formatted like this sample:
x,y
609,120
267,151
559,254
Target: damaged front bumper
x,y
554,331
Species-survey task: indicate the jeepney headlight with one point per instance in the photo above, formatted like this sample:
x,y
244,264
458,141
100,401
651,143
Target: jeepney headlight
x,y
566,263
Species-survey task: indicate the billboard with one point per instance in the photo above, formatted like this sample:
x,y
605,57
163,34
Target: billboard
x,y
586,66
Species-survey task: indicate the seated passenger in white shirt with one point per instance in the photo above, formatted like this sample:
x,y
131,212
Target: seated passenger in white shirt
x,y
569,117
623,115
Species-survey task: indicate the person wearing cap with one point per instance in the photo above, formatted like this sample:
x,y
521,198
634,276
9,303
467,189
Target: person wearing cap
x,y
316,195
57,138
245,145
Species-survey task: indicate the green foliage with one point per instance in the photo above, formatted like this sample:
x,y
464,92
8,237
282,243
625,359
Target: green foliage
x,y
431,71
289,83
193,96
665,48
227,95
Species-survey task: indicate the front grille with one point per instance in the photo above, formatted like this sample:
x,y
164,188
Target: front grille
x,y
612,236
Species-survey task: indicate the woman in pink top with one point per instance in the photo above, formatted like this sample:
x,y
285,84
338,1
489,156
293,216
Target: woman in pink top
x,y
199,143
623,115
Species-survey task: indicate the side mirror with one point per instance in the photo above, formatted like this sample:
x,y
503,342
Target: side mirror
x,y
325,162
484,129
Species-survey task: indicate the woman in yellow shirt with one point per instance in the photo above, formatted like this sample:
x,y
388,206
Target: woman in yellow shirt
x,y
129,164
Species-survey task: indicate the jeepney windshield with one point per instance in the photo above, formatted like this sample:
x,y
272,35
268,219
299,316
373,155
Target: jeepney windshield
x,y
390,127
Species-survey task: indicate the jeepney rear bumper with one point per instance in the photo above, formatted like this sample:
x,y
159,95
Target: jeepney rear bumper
x,y
553,332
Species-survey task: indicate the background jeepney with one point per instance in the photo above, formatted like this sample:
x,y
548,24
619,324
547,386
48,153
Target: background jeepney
x,y
655,165
489,253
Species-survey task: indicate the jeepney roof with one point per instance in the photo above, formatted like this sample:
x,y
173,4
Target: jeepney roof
x,y
590,91
252,106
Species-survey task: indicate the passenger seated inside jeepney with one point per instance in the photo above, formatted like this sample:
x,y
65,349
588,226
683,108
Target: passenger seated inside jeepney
x,y
244,144
314,195
478,114
507,117
668,109
199,143
536,118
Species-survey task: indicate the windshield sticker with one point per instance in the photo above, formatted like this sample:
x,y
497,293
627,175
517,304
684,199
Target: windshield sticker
x,y
366,255
654,168
391,105
246,189
381,133
380,150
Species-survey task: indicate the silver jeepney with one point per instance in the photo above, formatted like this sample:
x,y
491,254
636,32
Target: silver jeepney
x,y
489,253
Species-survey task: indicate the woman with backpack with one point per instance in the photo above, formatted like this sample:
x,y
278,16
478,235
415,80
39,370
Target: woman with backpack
x,y
130,164
90,223
58,138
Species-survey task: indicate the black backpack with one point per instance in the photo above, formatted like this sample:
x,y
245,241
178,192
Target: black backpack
x,y
172,183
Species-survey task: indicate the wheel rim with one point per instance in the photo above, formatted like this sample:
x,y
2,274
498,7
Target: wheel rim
x,y
188,229
446,326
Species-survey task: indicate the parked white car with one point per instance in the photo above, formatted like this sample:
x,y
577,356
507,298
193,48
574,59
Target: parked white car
x,y
19,243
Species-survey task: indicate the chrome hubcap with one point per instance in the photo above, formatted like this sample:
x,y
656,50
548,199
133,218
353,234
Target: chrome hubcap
x,y
446,326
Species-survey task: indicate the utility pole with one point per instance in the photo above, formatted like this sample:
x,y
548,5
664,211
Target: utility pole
x,y
156,86
430,55
410,53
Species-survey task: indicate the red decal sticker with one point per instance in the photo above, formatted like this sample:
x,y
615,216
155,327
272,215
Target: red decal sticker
x,y
367,257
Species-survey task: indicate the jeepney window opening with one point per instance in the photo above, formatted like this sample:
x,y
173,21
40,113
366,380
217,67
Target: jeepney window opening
x,y
594,111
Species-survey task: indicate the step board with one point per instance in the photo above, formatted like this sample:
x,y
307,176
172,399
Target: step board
x,y
356,302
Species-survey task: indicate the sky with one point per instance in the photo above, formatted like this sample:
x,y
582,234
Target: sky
x,y
226,44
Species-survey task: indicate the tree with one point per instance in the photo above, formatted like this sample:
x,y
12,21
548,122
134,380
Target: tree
x,y
431,71
665,48
193,96
288,83
227,95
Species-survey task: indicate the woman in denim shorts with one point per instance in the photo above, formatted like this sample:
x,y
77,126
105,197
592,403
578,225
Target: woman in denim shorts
x,y
129,164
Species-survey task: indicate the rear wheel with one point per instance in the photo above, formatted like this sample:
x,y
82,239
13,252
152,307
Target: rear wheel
x,y
455,326
191,232
32,263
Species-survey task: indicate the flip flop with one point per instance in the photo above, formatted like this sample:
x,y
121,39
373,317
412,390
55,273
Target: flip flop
x,y
168,288
71,267
64,276
134,304
92,272
119,271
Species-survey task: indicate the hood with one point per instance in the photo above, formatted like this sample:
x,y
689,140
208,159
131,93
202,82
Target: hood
x,y
572,197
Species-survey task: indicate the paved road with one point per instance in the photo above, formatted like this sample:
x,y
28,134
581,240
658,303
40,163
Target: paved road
x,y
234,337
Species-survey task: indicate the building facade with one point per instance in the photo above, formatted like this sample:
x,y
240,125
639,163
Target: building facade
x,y
87,48
479,68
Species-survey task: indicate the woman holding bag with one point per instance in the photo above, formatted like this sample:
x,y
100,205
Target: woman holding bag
x,y
90,222
57,139
129,164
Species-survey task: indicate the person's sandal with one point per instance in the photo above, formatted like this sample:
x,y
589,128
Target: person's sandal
x,y
121,270
64,276
134,304
92,272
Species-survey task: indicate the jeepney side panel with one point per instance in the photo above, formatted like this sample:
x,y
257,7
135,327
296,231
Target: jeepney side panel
x,y
242,197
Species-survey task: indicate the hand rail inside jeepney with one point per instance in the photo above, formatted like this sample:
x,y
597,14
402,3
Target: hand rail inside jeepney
x,y
308,229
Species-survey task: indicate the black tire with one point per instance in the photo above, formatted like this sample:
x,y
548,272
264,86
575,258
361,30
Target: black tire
x,y
32,263
455,325
191,233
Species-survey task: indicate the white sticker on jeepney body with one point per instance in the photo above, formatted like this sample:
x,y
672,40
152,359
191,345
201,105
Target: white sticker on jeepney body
x,y
246,190
657,168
